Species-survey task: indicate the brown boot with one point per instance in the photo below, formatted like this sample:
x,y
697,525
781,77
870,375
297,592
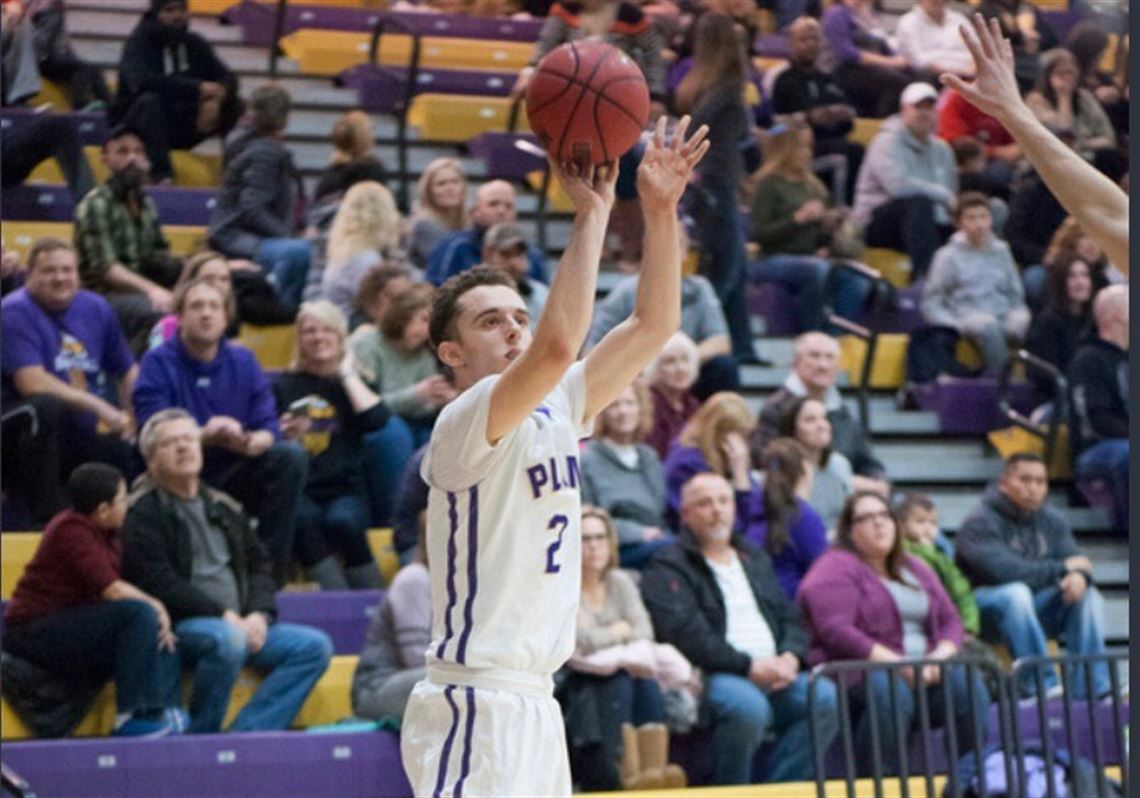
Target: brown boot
x,y
653,740
630,758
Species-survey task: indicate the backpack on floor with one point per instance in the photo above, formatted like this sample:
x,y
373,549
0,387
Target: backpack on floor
x,y
1071,775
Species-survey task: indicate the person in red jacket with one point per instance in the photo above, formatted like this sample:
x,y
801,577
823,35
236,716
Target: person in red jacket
x,y
73,615
957,118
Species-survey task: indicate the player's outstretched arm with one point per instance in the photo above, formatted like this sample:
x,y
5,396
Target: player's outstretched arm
x,y
621,355
562,327
1099,205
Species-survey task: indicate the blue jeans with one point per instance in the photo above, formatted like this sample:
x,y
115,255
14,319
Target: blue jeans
x,y
338,526
875,695
807,277
742,715
285,262
1022,620
293,657
1108,461
386,452
724,261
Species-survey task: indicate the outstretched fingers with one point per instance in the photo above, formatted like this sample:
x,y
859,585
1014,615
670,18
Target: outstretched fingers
x,y
694,156
680,131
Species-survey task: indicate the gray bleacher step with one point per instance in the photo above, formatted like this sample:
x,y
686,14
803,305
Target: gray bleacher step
x,y
135,6
104,50
886,420
308,92
1116,619
937,461
955,504
1110,561
106,20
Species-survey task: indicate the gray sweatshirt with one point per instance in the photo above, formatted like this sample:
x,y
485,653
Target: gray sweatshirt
x,y
897,165
635,497
965,279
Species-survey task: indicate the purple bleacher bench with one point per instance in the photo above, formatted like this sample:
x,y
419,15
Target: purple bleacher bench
x,y
243,765
380,89
38,203
504,160
969,405
92,127
772,302
257,19
342,614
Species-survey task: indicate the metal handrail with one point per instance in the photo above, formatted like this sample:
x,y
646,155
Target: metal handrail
x,y
1047,432
278,30
384,23
880,290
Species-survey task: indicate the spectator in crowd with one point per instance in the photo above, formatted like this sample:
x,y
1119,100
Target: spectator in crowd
x,y
505,249
623,476
1035,216
1030,579
1070,241
253,217
396,360
671,377
365,233
12,271
815,367
410,512
928,39
173,86
378,288
908,182
58,62
441,199
1088,42
958,118
702,320
804,89
795,227
226,392
1028,33
975,172
832,478
974,286
860,59
395,648
39,138
123,253
712,93
353,158
867,599
457,252
788,528
192,548
1060,102
1099,381
714,439
609,681
20,76
1058,330
918,520
205,265
73,615
328,409
716,598
62,349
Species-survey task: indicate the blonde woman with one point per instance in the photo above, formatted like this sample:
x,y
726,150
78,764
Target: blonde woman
x,y
353,158
365,233
441,201
328,409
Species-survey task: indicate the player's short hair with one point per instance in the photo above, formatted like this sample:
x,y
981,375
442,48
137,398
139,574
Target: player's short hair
x,y
45,246
91,485
970,199
1016,459
445,305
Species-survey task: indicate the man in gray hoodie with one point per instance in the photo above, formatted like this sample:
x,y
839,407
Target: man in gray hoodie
x,y
974,287
1030,579
908,181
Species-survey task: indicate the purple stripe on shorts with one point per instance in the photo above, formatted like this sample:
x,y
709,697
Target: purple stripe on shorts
x,y
472,571
447,691
465,763
452,556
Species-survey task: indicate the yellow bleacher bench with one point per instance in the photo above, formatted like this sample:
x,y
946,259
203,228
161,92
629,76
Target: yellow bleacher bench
x,y
330,52
329,702
19,236
888,371
865,129
211,7
273,346
383,545
459,117
893,265
16,550
191,169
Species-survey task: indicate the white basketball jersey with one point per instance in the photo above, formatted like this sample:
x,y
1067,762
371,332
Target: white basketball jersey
x,y
503,531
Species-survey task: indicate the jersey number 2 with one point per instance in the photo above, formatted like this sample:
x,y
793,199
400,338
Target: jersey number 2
x,y
559,523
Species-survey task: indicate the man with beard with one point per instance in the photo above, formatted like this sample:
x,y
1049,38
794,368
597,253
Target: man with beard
x,y
123,254
173,86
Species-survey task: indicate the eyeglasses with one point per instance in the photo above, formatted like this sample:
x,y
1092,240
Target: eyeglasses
x,y
593,538
877,515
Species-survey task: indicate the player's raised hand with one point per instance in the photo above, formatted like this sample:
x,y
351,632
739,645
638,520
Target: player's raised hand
x,y
665,169
994,89
590,188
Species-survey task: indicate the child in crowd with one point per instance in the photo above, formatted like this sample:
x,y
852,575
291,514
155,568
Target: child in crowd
x,y
918,517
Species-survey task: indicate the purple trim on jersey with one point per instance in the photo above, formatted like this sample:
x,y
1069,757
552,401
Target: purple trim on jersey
x,y
472,571
465,766
452,556
447,691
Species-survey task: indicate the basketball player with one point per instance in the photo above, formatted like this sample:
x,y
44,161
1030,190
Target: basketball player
x,y
504,506
1099,205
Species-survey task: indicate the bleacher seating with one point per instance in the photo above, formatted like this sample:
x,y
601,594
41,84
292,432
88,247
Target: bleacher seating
x,y
19,236
186,207
319,52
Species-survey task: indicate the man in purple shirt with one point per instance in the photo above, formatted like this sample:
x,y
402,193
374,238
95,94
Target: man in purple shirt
x,y
224,388
62,349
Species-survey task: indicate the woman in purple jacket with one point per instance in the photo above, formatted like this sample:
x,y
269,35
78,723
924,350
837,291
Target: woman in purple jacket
x,y
867,599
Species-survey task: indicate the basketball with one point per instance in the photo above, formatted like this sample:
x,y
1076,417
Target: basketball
x,y
588,102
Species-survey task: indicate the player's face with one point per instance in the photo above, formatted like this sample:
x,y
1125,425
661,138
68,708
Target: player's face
x,y
177,452
595,546
53,280
812,427
1026,485
493,329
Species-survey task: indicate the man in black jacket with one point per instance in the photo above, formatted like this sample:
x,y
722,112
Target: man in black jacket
x,y
172,85
716,599
191,547
1100,380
